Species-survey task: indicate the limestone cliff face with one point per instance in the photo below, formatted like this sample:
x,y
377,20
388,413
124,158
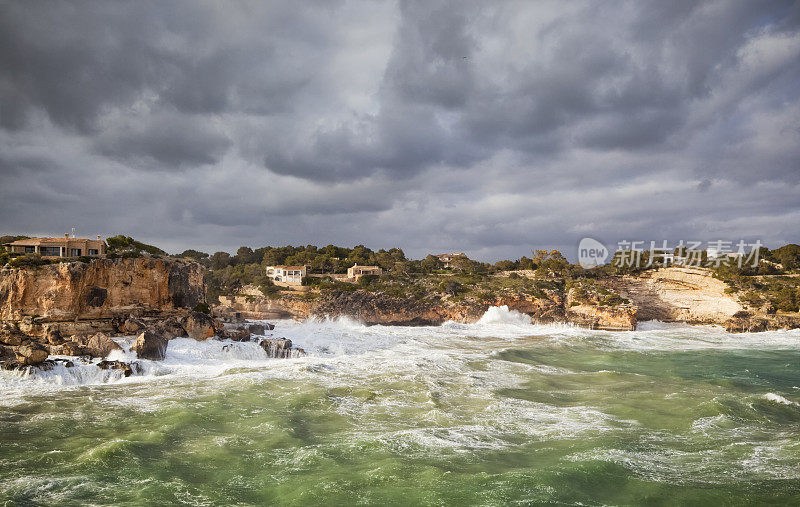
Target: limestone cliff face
x,y
377,308
250,306
368,307
678,294
102,289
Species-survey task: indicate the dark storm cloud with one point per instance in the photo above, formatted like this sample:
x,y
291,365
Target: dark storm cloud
x,y
486,127
166,141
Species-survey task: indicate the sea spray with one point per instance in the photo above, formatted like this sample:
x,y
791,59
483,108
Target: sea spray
x,y
493,412
502,315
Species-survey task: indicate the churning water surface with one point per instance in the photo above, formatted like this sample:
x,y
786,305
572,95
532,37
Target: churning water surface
x,y
496,412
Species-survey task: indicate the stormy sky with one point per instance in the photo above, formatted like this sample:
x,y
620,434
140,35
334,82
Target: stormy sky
x,y
485,127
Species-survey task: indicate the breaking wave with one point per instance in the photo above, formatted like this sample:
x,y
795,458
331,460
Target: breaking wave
x,y
348,340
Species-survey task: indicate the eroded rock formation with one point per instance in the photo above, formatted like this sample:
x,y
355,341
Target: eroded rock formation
x,y
685,294
101,289
378,308
150,345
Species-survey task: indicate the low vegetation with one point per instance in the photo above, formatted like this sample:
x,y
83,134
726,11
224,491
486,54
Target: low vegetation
x,y
773,285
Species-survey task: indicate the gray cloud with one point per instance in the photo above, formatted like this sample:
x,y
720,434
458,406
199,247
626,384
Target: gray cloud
x,y
489,128
166,141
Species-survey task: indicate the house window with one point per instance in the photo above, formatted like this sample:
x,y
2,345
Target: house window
x,y
50,251
75,252
30,249
94,251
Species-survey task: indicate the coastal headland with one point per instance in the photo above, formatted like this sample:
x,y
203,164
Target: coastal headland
x,y
49,311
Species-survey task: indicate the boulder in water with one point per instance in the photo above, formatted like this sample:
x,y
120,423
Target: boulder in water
x,y
280,348
258,329
198,326
31,354
150,345
238,335
71,348
128,369
100,345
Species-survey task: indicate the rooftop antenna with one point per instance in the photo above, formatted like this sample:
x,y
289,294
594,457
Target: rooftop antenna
x,y
73,232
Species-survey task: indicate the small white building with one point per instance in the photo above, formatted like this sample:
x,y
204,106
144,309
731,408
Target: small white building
x,y
447,258
357,271
286,275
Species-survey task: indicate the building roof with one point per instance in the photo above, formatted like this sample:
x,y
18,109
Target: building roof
x,y
44,241
289,267
366,267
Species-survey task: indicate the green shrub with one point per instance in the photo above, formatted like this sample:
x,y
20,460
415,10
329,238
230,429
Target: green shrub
x,y
27,260
367,280
269,290
312,281
125,244
751,298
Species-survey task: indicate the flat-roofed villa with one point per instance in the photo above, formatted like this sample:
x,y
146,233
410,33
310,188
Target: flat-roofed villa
x,y
359,271
286,275
51,248
447,258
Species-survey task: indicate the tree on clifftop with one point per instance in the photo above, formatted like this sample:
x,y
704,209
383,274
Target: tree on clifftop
x,y
121,244
788,256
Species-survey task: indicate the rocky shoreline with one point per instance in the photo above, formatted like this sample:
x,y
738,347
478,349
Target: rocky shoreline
x,y
676,294
75,310
19,351
378,308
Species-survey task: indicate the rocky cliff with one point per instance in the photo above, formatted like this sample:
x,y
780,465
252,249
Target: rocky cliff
x,y
693,295
370,308
378,308
101,289
681,294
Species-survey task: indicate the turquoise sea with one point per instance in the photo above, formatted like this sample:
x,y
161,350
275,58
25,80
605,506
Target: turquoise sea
x,y
499,412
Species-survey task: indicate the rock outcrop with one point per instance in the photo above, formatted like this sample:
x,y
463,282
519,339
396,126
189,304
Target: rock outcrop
x,y
53,337
199,326
150,345
371,308
90,301
609,318
127,369
70,348
258,329
750,322
378,308
280,348
99,345
101,289
31,354
684,294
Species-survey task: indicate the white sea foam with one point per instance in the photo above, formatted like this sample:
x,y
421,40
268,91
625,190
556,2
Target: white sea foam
x,y
502,315
777,398
342,344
